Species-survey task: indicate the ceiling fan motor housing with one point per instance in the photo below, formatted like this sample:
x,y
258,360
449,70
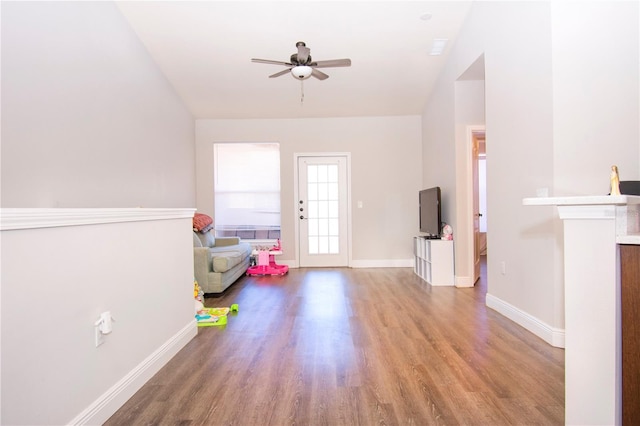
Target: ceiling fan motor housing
x,y
294,60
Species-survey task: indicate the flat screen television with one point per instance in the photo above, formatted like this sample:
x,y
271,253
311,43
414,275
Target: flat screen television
x,y
430,212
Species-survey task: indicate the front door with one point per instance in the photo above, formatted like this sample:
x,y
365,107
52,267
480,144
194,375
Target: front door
x,y
322,211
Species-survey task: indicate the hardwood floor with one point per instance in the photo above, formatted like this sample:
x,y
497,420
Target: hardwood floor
x,y
355,347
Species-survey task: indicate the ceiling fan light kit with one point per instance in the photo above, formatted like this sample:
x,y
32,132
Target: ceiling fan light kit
x,y
301,72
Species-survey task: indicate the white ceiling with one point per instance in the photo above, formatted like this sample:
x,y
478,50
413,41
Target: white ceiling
x,y
205,48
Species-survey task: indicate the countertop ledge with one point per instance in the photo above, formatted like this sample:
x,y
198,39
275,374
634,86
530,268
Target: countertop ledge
x,y
586,200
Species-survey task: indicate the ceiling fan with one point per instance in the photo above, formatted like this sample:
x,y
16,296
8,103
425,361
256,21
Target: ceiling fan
x,y
302,66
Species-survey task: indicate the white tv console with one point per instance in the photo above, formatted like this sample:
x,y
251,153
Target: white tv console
x,y
434,261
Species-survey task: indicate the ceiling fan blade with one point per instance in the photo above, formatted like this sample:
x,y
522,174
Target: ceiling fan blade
x,y
319,74
303,53
268,61
332,63
278,74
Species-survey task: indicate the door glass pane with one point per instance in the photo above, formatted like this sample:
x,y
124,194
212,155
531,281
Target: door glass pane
x,y
332,173
323,208
323,226
322,173
323,245
313,227
312,173
312,211
333,191
333,227
323,193
313,191
333,209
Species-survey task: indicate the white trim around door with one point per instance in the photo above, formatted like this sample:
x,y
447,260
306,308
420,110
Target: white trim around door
x,y
339,237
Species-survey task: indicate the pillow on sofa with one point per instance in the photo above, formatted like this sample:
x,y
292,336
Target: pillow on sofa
x,y
200,221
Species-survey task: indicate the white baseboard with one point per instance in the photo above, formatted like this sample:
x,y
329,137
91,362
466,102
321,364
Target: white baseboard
x,y
461,281
383,263
553,336
104,407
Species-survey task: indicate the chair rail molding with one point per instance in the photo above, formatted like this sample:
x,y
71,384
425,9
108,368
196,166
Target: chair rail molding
x,y
32,218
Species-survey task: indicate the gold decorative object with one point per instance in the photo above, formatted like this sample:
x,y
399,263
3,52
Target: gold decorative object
x,y
615,181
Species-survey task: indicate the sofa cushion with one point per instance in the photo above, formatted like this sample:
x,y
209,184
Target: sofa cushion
x,y
207,239
225,258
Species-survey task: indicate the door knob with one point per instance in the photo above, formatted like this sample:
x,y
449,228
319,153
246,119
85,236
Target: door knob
x,y
301,217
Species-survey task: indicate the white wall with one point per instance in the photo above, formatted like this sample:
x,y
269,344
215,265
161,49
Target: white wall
x,y
595,95
385,173
519,116
546,91
88,120
439,148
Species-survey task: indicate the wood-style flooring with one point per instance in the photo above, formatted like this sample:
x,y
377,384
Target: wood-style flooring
x,y
355,347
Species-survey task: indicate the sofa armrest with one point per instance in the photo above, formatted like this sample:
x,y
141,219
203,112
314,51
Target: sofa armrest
x,y
227,241
201,265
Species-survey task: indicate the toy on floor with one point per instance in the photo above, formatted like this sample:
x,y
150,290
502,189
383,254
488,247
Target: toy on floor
x,y
212,316
198,295
266,264
207,317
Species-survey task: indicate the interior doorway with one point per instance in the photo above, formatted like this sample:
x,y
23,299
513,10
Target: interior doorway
x,y
479,199
477,149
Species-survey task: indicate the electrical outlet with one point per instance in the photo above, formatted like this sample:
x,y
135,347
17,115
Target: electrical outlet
x,y
99,336
503,267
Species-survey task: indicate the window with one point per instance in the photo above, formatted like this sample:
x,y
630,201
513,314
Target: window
x,y
247,190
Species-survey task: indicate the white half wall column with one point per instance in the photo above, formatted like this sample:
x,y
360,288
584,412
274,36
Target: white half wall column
x,y
593,229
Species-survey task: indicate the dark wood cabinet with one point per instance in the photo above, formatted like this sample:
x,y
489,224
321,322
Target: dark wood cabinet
x,y
630,304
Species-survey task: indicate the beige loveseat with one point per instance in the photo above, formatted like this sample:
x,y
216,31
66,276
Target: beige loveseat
x,y
219,262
